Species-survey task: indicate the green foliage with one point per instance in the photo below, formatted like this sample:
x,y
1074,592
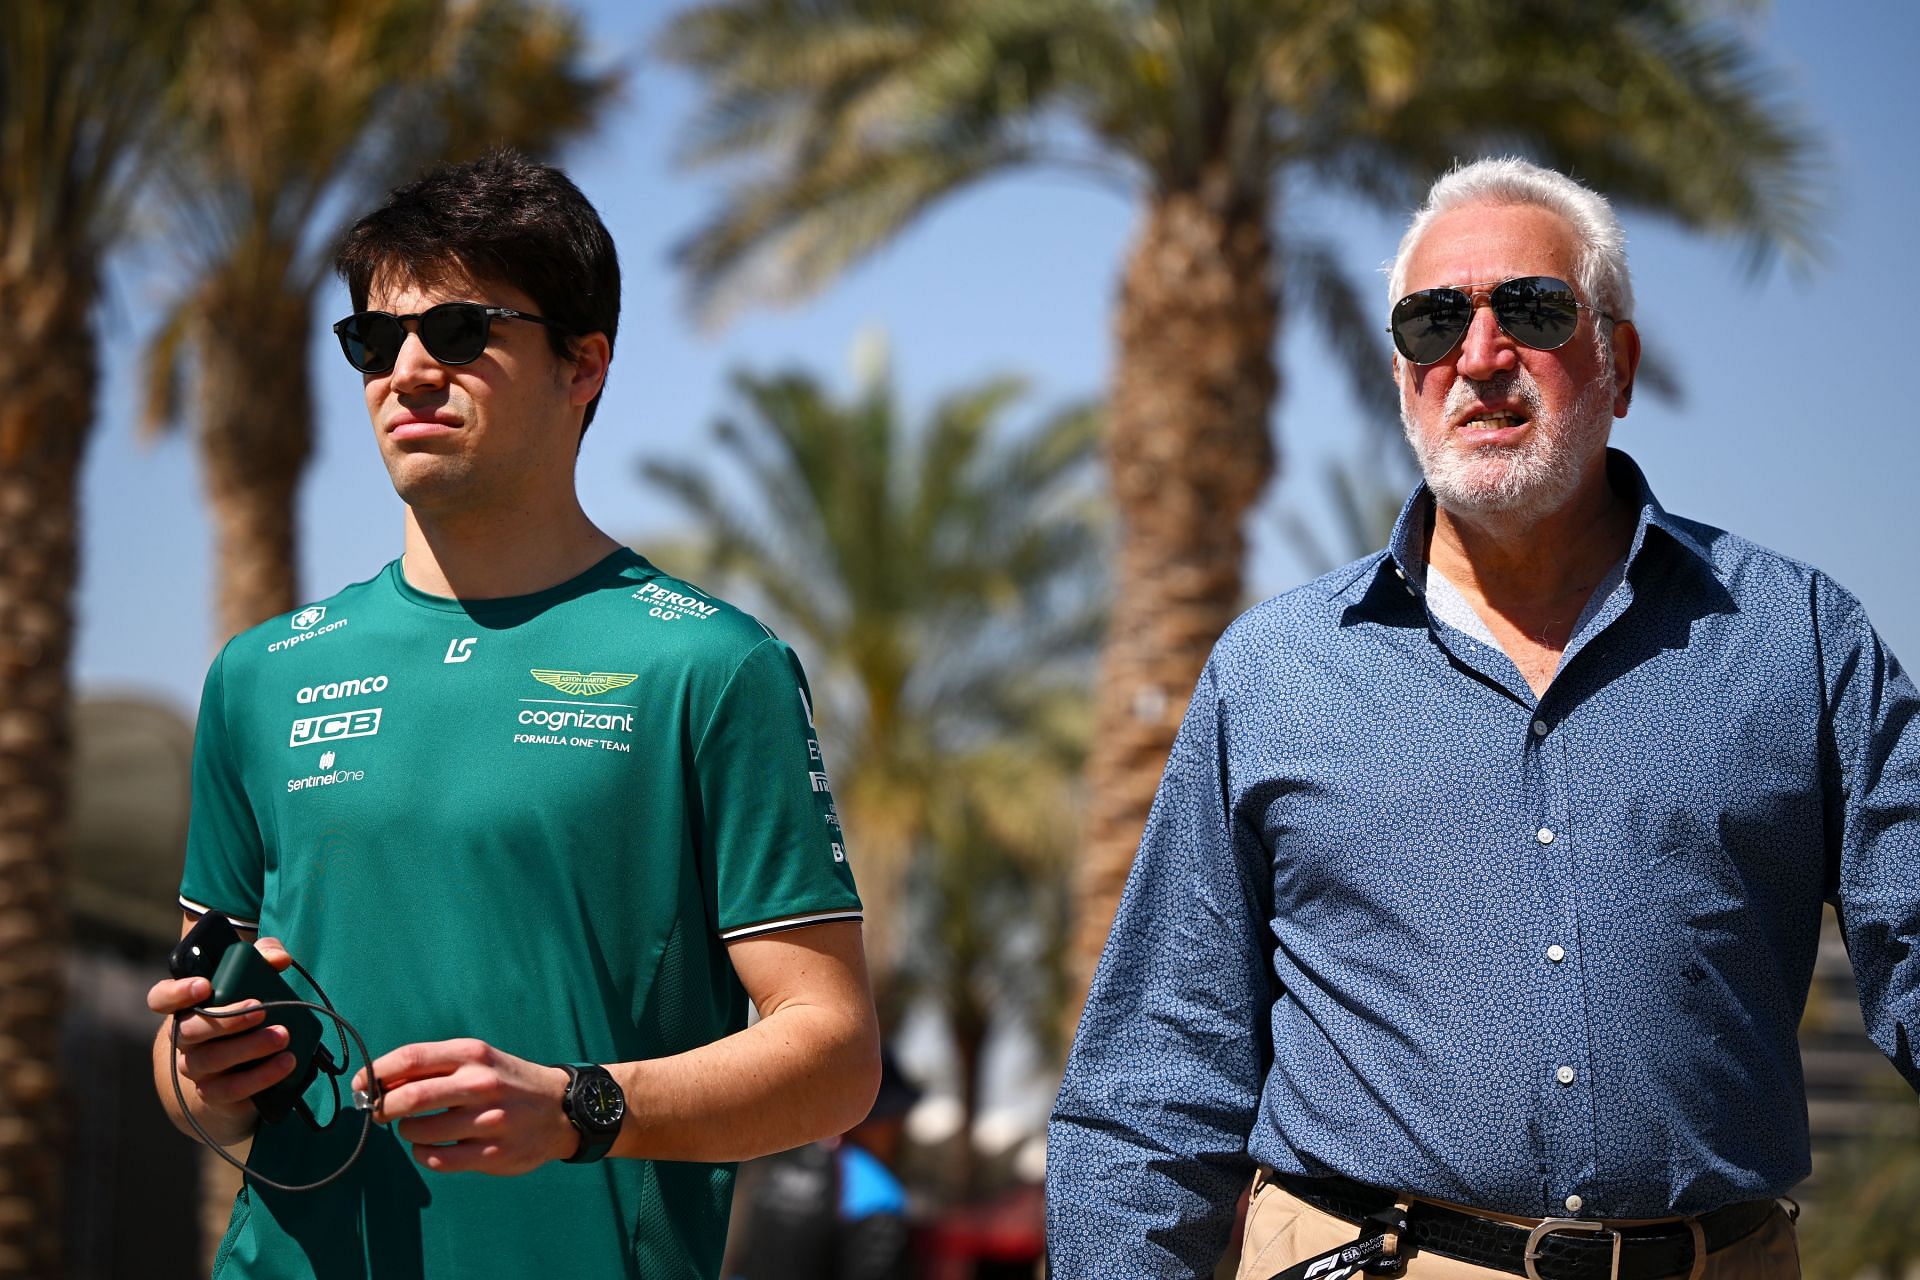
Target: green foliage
x,y
291,118
852,117
1366,498
80,81
1863,1223
941,581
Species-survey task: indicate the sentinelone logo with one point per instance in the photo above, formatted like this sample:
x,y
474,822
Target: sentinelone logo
x,y
567,722
304,623
328,779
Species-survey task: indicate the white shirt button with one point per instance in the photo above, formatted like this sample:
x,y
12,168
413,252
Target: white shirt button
x,y
1539,728
1564,1075
1545,835
1556,953
1574,1203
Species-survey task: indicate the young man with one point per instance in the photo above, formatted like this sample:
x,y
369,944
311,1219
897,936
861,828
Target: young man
x,y
1484,881
541,819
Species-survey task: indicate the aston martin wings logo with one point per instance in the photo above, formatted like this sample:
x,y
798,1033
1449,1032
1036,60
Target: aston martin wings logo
x,y
584,684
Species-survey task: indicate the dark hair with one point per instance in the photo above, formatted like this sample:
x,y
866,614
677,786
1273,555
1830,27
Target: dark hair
x,y
502,217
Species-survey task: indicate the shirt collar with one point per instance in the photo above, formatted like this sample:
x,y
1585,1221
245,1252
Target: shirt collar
x,y
1406,549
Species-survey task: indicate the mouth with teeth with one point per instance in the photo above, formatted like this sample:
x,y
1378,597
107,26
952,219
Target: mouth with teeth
x,y
1490,426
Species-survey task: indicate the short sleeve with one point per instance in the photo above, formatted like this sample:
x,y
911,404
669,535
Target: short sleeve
x,y
226,860
771,845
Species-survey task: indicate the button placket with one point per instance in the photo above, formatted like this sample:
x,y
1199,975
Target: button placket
x,y
1566,1075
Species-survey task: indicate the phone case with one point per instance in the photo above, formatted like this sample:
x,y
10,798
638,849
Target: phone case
x,y
244,974
198,953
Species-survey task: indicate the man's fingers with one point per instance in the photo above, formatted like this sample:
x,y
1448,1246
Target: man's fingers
x,y
458,1125
425,1060
461,1158
236,1086
171,995
200,1029
216,1056
274,954
441,1093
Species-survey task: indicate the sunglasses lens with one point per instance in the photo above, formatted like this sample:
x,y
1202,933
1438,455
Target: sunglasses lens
x,y
1427,324
1537,310
455,332
371,340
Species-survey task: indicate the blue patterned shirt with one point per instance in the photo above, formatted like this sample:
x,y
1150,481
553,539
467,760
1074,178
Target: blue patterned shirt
x,y
1394,918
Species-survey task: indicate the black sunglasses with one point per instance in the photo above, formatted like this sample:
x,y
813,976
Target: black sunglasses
x,y
1536,311
452,333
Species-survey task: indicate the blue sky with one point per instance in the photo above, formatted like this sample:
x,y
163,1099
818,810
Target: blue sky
x,y
1796,430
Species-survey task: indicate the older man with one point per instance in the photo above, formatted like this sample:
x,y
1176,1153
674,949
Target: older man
x,y
1479,904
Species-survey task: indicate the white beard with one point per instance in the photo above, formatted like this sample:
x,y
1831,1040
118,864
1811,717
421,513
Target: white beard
x,y
1520,482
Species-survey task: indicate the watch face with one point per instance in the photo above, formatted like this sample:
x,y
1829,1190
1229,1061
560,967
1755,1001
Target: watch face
x,y
601,1103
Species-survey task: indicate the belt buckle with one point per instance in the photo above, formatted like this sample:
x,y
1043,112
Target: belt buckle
x,y
1553,1226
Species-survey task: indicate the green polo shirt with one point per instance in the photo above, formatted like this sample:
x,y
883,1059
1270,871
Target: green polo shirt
x,y
536,821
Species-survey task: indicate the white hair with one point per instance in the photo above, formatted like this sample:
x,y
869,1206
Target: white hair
x,y
1602,262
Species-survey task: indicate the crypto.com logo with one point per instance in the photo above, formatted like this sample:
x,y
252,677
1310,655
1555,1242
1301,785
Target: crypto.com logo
x,y
304,620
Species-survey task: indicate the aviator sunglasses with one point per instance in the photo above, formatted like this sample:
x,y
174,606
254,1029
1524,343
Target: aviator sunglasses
x,y
452,333
1535,311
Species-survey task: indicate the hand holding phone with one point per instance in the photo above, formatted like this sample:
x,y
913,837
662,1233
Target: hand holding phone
x,y
238,972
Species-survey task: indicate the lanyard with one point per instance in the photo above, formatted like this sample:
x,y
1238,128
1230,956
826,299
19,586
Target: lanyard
x,y
1375,1253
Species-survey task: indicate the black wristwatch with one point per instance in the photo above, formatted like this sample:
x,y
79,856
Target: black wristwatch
x,y
595,1106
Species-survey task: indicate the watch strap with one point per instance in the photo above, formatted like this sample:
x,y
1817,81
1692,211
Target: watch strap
x,y
593,1146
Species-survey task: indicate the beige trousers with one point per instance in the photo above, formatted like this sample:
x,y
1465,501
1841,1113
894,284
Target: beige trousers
x,y
1282,1230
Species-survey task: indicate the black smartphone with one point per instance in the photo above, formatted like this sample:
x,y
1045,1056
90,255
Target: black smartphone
x,y
213,950
199,951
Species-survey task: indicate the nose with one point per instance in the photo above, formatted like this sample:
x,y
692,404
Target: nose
x,y
414,369
1485,348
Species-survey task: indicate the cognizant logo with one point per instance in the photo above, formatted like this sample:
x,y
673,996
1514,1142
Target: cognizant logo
x,y
578,720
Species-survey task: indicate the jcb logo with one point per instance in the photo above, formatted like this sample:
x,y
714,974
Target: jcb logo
x,y
331,728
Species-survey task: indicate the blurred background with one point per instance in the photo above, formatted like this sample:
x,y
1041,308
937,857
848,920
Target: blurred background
x,y
1038,337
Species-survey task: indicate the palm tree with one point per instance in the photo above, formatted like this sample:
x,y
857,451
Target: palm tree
x,y
293,119
856,116
941,584
987,900
79,83
1366,494
1862,1221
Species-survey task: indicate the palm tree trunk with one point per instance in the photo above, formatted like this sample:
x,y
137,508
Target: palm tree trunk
x,y
49,372
969,1029
255,434
1189,450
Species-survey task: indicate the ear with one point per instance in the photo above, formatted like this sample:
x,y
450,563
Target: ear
x,y
1626,360
591,356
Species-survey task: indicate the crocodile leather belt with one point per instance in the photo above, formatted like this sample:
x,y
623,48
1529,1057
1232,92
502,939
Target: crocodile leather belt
x,y
1557,1249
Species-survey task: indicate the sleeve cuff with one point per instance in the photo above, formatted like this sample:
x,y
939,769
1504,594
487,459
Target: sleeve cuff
x,y
788,922
200,909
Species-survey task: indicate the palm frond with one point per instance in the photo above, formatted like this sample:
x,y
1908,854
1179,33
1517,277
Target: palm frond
x,y
1317,289
162,369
